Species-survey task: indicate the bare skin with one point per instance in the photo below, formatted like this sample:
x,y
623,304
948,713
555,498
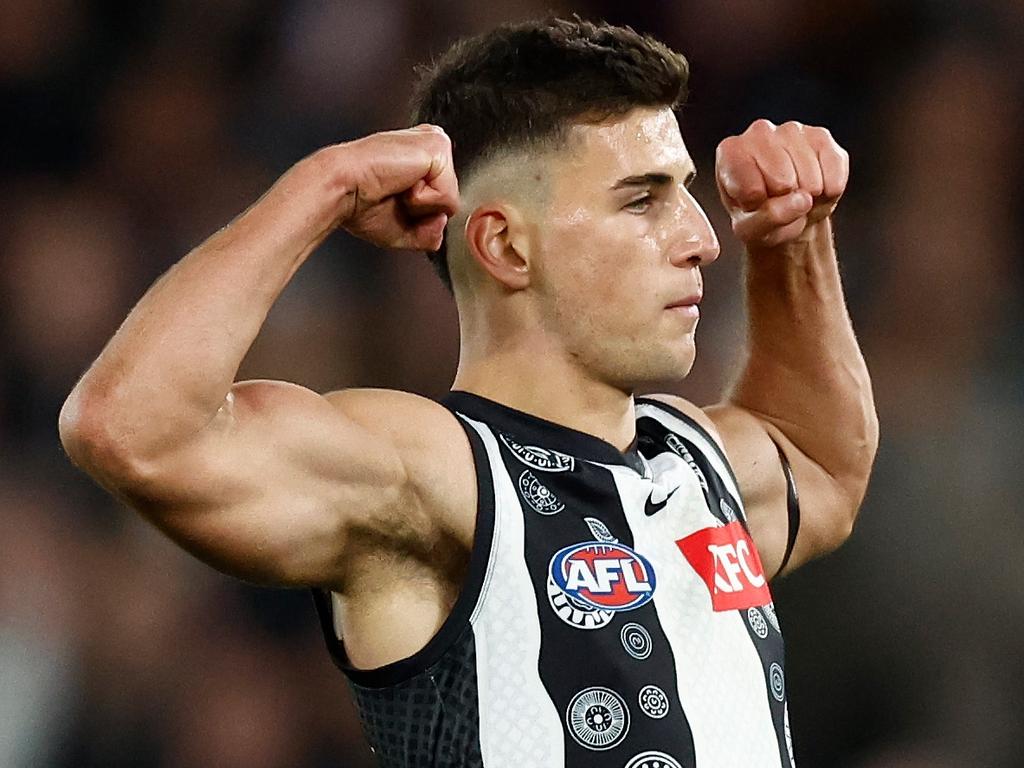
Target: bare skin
x,y
276,484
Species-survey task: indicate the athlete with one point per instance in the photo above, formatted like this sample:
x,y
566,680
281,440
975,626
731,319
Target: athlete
x,y
543,569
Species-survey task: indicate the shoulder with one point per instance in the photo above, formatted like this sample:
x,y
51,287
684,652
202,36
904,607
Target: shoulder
x,y
423,431
694,412
407,419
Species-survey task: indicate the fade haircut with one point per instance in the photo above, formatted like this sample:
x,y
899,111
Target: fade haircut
x,y
524,85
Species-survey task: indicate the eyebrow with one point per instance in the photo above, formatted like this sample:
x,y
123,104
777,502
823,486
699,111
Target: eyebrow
x,y
651,180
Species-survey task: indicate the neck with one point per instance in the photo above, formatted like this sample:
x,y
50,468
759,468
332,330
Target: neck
x,y
541,381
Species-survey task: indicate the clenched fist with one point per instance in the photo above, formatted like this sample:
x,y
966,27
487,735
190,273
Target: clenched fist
x,y
401,186
777,181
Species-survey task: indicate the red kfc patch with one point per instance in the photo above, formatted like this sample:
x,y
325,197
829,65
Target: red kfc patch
x,y
727,560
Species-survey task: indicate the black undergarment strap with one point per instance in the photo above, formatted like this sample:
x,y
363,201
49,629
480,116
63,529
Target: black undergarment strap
x,y
792,506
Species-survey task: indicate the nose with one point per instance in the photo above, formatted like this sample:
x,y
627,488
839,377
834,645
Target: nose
x,y
694,242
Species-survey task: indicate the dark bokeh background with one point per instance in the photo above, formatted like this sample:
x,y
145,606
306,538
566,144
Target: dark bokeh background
x,y
130,131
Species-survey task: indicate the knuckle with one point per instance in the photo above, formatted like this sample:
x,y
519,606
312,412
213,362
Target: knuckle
x,y
833,153
762,126
727,146
443,138
778,211
822,137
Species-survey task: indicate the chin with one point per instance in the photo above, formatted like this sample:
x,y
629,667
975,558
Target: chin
x,y
683,357
666,369
684,369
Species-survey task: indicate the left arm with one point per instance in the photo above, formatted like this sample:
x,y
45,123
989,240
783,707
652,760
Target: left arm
x,y
804,384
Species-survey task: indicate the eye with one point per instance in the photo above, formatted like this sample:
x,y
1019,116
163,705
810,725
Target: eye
x,y
640,205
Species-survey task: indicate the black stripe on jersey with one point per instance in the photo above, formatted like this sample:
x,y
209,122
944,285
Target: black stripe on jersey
x,y
457,620
589,490
770,648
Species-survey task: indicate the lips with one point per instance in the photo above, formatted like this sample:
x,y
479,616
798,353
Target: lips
x,y
690,301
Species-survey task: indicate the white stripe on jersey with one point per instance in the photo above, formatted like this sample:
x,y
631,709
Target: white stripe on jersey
x,y
519,725
719,674
710,451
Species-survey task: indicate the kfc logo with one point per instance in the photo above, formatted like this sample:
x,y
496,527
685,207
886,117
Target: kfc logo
x,y
725,558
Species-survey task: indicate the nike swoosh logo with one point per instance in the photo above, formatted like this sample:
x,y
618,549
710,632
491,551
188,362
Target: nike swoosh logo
x,y
653,508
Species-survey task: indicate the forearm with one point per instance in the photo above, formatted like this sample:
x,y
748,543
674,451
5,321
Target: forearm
x,y
804,371
171,364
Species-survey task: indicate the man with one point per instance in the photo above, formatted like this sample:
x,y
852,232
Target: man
x,y
541,570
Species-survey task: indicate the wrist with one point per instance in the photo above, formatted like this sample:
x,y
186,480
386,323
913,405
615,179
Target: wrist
x,y
316,195
813,242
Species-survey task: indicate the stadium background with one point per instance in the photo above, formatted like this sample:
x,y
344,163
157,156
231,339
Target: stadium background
x,y
130,131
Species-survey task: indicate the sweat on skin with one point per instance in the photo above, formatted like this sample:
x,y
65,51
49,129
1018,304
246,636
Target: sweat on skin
x,y
568,257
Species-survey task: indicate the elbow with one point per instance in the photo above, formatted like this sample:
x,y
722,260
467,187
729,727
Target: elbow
x,y
844,521
833,525
77,426
90,441
840,531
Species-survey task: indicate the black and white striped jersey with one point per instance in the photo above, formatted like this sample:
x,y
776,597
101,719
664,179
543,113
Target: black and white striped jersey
x,y
615,614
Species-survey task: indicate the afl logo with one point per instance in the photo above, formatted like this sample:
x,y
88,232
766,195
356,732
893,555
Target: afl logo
x,y
610,577
539,458
574,613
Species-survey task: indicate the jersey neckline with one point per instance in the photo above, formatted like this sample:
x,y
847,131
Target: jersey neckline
x,y
533,429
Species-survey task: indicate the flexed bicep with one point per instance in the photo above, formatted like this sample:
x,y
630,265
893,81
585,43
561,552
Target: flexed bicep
x,y
270,490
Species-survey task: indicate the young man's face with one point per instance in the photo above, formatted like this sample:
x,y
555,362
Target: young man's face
x,y
621,242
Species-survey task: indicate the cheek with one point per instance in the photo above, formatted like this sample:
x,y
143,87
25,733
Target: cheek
x,y
569,263
606,303
593,280
600,270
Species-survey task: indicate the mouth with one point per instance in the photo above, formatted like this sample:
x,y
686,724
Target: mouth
x,y
686,306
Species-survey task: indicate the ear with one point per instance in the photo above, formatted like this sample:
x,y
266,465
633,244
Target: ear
x,y
495,236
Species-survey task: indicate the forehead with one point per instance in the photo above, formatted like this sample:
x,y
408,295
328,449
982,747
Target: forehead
x,y
642,141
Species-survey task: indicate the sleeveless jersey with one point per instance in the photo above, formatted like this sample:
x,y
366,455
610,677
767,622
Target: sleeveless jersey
x,y
615,613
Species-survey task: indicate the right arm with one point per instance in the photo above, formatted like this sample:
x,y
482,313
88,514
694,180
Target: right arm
x,y
261,479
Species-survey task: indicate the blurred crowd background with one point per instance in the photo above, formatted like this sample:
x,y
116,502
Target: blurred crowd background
x,y
129,131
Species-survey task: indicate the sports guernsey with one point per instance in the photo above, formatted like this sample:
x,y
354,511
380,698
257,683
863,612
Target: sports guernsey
x,y
615,613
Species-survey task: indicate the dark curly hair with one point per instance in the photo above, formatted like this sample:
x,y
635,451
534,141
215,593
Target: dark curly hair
x,y
525,84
